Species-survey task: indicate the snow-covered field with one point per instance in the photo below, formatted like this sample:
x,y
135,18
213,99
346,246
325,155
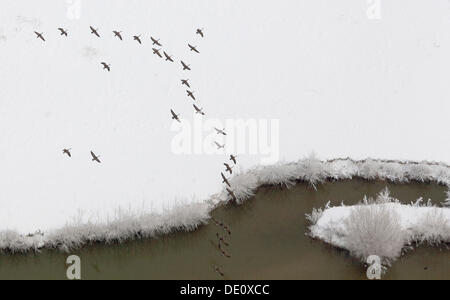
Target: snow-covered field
x,y
381,226
337,82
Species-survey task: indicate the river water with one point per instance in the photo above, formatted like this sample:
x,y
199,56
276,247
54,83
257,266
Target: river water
x,y
267,241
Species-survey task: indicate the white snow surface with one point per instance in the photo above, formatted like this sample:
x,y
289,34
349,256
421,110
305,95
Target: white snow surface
x,y
339,83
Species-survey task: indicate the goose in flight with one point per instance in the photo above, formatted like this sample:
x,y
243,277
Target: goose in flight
x,y
190,94
63,32
198,110
39,36
200,32
95,157
156,42
94,31
228,168
231,194
222,132
219,146
221,239
193,48
185,82
156,51
106,66
175,116
67,151
137,38
168,57
118,34
225,180
219,271
185,67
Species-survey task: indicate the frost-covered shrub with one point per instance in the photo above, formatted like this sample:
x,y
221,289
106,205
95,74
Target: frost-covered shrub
x,y
447,201
278,174
374,230
432,228
312,170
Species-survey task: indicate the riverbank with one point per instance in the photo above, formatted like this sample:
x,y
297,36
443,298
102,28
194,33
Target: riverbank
x,y
267,241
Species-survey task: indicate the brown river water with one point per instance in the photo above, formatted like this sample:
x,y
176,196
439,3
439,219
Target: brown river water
x,y
267,241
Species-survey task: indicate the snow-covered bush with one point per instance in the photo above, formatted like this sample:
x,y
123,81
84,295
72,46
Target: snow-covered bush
x,y
374,230
433,227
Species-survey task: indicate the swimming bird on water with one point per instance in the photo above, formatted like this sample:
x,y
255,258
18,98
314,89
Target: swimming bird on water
x,y
233,158
156,41
175,116
39,36
225,180
228,168
222,132
137,38
95,157
63,32
106,66
185,66
190,94
193,48
67,151
118,34
200,32
94,31
185,82
156,51
198,110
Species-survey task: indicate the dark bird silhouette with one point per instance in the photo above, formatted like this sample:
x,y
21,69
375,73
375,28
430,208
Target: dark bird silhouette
x,y
198,110
185,82
95,157
221,239
106,66
156,51
156,42
225,254
200,32
193,48
168,57
222,132
175,116
39,36
231,194
219,146
118,34
225,180
137,38
233,158
67,151
94,31
185,67
219,271
190,94
63,32
228,168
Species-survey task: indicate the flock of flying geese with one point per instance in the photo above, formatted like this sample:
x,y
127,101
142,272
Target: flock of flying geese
x,y
222,243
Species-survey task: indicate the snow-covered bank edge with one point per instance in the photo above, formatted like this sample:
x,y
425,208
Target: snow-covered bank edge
x,y
380,226
126,226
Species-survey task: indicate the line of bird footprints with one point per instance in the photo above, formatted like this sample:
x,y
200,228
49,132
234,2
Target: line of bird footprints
x,y
221,241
